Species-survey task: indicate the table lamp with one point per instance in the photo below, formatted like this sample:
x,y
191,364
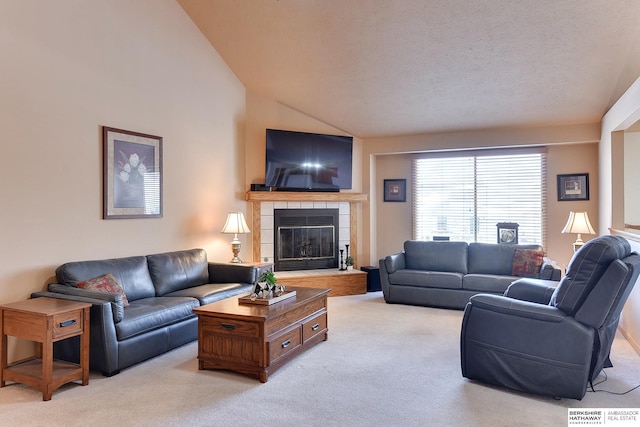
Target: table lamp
x,y
578,223
235,225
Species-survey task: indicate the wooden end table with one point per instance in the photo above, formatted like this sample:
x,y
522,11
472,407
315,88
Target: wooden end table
x,y
45,321
258,339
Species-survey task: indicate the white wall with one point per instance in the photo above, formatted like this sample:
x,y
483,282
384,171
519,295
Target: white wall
x,y
624,113
631,178
69,67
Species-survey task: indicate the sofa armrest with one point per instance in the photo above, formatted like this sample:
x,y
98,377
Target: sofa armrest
x,y
550,270
232,273
533,290
394,262
95,297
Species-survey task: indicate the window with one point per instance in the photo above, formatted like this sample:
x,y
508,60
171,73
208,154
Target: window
x,y
463,197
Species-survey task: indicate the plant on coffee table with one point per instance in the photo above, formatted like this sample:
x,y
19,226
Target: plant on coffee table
x,y
267,285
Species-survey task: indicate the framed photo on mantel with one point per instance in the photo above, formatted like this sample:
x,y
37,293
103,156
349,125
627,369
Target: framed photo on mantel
x,y
132,174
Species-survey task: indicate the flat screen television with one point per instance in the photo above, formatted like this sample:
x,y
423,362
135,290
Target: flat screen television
x,y
308,161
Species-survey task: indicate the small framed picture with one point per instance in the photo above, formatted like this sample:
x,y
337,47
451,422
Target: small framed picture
x,y
508,232
395,190
132,174
573,187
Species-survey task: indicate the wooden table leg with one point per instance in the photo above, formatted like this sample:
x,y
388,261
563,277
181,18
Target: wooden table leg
x,y
47,363
84,348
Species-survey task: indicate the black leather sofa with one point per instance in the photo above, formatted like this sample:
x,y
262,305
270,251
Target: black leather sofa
x,y
446,274
162,290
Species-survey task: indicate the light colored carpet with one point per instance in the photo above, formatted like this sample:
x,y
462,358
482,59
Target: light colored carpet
x,y
383,365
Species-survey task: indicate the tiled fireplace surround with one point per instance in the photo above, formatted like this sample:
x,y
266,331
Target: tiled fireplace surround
x,y
264,204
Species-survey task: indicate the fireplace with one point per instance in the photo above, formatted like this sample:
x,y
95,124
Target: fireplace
x,y
305,239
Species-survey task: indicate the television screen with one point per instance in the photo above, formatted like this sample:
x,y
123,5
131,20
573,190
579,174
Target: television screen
x,y
300,160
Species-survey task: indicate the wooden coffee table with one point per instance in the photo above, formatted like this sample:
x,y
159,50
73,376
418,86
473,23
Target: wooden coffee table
x,y
258,339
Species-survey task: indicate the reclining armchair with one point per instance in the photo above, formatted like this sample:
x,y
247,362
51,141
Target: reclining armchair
x,y
548,340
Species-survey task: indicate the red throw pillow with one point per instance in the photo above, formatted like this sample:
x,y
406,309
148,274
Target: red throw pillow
x,y
527,263
106,283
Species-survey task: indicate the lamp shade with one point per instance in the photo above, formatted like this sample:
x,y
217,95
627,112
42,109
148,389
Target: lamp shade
x,y
235,224
578,223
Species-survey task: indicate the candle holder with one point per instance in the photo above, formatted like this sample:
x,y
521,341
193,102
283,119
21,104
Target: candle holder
x,y
342,260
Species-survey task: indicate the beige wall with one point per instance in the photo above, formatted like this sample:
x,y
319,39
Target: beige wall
x,y
69,67
624,113
263,113
571,149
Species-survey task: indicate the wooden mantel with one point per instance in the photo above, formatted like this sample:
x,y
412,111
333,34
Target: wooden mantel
x,y
258,197
294,196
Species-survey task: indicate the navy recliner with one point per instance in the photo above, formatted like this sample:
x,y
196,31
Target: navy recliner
x,y
551,341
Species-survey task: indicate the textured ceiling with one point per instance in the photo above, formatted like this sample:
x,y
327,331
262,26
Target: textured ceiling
x,y
377,68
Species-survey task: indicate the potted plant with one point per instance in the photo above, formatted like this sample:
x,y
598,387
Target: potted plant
x,y
269,277
268,285
349,262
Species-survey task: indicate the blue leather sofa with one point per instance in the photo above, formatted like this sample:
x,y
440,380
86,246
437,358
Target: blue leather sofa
x,y
162,290
446,274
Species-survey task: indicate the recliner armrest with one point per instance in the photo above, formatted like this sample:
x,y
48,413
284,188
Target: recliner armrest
x,y
519,308
532,290
95,297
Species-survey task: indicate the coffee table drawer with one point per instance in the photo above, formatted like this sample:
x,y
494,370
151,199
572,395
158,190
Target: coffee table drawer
x,y
314,326
284,343
231,327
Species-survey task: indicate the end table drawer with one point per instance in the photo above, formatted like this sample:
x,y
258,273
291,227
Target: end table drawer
x,y
67,323
284,344
314,326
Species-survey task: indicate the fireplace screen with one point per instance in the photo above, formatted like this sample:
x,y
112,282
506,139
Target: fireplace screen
x,y
305,239
307,242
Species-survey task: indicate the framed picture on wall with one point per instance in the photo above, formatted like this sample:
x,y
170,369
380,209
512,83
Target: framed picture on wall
x,y
573,187
132,174
395,190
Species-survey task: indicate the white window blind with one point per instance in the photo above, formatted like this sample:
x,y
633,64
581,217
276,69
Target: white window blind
x,y
464,197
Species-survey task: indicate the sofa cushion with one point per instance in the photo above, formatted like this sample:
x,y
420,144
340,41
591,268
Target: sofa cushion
x,y
213,292
495,284
426,279
493,258
106,283
178,270
436,256
132,273
147,314
527,263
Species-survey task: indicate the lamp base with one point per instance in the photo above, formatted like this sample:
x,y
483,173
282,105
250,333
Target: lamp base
x,y
578,243
235,247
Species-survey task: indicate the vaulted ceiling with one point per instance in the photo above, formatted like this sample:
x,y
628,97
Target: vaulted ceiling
x,y
376,68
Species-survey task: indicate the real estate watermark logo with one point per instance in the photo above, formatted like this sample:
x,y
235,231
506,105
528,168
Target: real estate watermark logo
x,y
603,416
